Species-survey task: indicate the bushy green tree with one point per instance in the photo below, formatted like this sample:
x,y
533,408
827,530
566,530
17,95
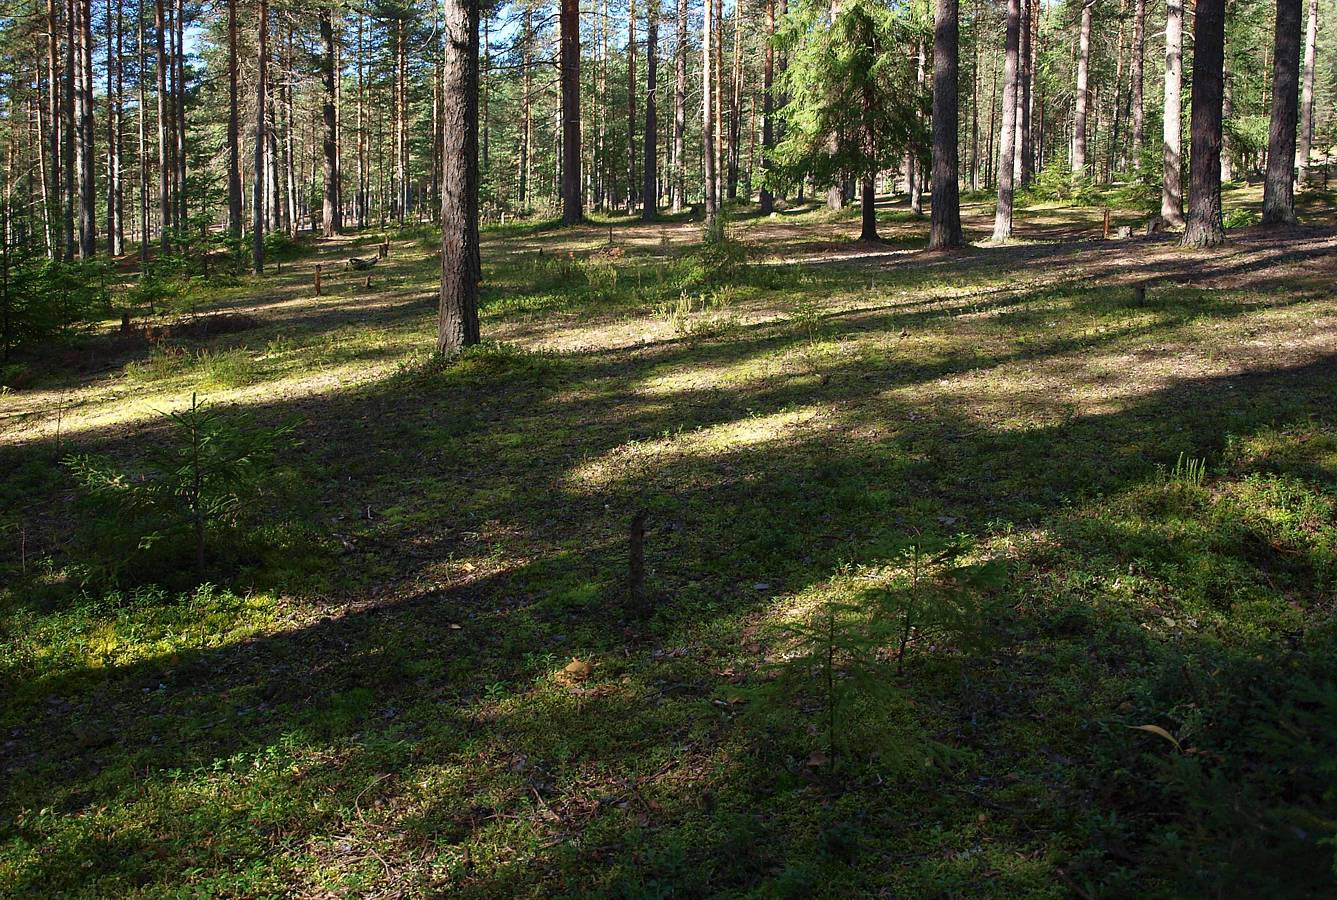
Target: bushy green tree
x,y
855,104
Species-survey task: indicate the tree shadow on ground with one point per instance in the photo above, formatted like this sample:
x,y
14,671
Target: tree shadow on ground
x,y
441,670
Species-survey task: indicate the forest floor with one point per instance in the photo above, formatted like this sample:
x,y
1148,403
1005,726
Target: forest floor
x,y
972,574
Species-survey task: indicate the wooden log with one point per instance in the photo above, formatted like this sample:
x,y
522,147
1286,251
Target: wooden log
x,y
317,279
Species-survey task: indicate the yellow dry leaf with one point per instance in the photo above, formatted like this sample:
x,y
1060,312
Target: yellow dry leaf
x,y
1158,730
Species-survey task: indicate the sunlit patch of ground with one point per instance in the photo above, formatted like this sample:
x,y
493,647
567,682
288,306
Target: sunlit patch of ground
x,y
1126,502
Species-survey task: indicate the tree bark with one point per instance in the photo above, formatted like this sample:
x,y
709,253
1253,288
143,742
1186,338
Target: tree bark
x,y
1025,165
331,218
1279,184
1007,138
457,321
572,205
87,157
650,165
680,113
708,145
114,232
767,199
1083,94
1172,191
914,170
53,211
1139,80
234,211
143,143
945,221
164,172
258,188
735,104
1307,94
1204,225
631,106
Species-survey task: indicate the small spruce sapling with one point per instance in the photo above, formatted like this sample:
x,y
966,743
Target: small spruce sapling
x,y
198,482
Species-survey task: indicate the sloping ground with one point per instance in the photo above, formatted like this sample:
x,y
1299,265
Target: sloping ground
x,y
1108,519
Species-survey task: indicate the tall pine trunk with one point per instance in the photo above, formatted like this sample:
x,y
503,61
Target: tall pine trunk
x,y
457,320
650,164
767,200
945,222
631,106
234,212
1007,137
142,115
680,112
1083,92
258,188
1279,185
331,207
708,145
1307,94
1204,226
1139,80
572,204
164,172
1172,190
87,156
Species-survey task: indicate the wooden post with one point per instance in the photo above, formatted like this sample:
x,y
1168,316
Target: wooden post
x,y
1107,223
368,282
125,320
317,279
1140,293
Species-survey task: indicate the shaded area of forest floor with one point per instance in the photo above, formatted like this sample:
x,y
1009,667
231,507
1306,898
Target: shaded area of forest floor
x,y
1123,507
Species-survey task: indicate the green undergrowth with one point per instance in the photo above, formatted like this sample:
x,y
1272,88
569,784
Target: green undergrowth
x,y
957,586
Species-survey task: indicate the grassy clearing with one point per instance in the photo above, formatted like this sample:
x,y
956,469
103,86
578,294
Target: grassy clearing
x,y
1110,525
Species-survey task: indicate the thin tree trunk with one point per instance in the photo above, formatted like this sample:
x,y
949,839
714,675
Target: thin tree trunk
x,y
1023,95
680,113
164,173
767,201
68,137
1306,94
1083,94
457,321
945,223
113,130
708,147
975,104
631,106
179,84
1111,157
56,248
1279,185
258,189
1204,225
1007,138
87,155
913,168
1172,191
650,165
143,144
573,210
735,103
234,211
1227,113
1139,80
331,209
